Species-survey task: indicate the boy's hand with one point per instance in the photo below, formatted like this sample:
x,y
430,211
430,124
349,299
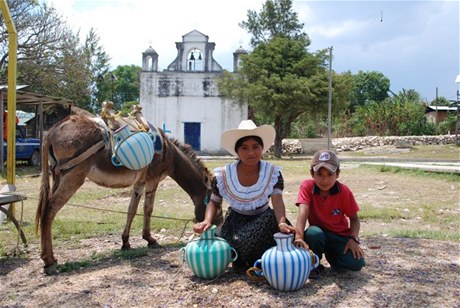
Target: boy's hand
x,y
299,242
356,250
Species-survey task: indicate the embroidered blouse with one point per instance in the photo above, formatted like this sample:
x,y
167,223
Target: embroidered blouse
x,y
246,198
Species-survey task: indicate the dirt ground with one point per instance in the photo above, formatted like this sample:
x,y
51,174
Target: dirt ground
x,y
400,272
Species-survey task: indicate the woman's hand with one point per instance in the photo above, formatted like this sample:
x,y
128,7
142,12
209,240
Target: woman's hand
x,y
285,228
201,227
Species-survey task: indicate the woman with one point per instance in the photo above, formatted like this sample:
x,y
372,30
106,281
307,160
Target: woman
x,y
247,185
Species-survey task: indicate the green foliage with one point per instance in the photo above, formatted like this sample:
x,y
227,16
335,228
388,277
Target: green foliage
x,y
306,128
281,80
443,176
440,101
342,93
448,125
99,64
402,114
50,58
130,254
95,257
126,85
122,86
73,266
127,108
385,214
276,19
369,87
439,235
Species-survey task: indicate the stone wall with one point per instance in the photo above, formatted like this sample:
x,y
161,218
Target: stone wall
x,y
358,143
310,146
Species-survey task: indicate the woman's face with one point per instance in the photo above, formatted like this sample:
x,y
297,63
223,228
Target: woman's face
x,y
250,151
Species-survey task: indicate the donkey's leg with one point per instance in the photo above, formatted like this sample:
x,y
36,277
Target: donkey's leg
x,y
148,210
136,195
69,184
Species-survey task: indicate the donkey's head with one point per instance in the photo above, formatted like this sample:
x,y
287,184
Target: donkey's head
x,y
188,170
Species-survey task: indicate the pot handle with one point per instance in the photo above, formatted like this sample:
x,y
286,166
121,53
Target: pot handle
x,y
315,258
152,136
182,254
115,161
256,273
235,254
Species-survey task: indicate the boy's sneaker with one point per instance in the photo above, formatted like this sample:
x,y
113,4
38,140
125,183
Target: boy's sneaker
x,y
315,273
239,268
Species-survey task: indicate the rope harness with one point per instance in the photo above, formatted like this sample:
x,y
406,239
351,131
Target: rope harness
x,y
79,159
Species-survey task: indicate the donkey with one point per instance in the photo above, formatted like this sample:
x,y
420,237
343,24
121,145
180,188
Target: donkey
x,y
78,148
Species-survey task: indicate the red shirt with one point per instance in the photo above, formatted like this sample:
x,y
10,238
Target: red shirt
x,y
330,213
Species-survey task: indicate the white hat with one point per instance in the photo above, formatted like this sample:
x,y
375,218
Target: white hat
x,y
248,128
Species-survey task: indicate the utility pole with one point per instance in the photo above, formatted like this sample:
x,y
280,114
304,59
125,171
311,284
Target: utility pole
x,y
457,126
436,114
329,103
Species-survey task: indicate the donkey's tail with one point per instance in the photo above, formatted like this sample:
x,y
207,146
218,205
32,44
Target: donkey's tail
x,y
44,187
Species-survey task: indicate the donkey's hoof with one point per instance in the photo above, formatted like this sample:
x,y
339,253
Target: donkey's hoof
x,y
51,269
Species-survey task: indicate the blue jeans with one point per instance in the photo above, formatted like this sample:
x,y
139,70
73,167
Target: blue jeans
x,y
332,245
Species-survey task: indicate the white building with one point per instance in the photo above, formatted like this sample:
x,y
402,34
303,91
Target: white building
x,y
184,98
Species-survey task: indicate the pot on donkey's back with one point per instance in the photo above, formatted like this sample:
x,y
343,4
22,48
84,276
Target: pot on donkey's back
x,y
134,150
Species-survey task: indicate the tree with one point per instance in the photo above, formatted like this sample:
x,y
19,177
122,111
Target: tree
x,y
99,66
51,59
440,101
368,87
280,79
126,84
275,19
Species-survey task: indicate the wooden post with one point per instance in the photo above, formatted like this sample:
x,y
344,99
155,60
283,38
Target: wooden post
x,y
12,58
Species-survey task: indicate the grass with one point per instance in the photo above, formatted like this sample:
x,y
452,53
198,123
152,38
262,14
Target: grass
x,y
422,173
394,202
383,214
439,152
118,255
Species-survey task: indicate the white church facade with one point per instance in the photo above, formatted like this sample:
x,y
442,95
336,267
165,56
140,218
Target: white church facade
x,y
184,99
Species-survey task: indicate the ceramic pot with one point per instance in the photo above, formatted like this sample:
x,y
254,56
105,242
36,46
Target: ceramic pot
x,y
209,255
285,266
134,150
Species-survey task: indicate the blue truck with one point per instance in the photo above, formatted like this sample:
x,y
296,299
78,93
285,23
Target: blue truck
x,y
27,149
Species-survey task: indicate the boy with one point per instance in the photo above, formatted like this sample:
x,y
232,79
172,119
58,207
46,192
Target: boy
x,y
331,211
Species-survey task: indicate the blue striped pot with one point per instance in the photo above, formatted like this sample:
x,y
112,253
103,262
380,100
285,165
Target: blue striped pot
x,y
208,256
285,266
134,150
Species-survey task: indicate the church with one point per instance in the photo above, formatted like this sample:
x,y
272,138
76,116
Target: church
x,y
184,99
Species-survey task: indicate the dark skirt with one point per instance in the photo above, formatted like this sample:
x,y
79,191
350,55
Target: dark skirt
x,y
250,235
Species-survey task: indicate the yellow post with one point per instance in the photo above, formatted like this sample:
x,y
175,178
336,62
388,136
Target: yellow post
x,y
12,57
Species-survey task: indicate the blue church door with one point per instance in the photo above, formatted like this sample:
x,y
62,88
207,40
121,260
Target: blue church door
x,y
192,135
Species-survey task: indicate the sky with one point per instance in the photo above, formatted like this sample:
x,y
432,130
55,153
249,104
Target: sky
x,y
413,43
